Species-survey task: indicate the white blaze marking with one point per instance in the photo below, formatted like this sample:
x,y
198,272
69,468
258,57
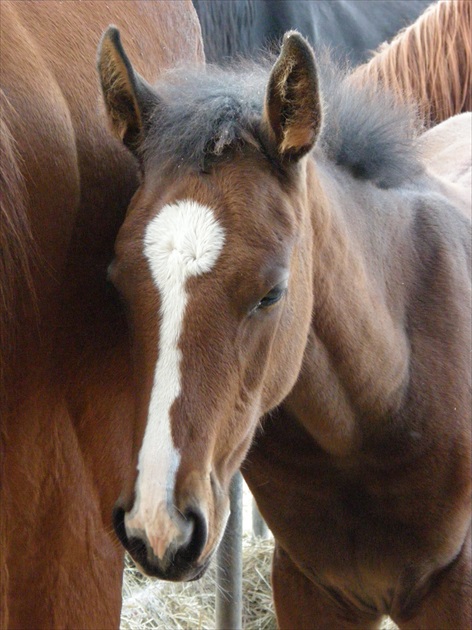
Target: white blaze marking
x,y
183,240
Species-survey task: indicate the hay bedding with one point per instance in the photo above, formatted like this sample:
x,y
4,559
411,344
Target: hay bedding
x,y
191,606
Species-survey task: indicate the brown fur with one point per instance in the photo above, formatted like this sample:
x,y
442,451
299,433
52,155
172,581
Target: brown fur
x,y
361,370
66,395
16,244
429,62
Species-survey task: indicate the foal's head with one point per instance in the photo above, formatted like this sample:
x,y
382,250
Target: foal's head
x,y
213,264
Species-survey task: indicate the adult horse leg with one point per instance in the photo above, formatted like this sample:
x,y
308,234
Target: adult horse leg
x,y
301,604
448,604
65,565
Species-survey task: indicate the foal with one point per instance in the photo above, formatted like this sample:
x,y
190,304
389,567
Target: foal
x,y
288,255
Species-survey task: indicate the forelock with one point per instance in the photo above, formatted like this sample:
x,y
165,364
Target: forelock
x,y
204,115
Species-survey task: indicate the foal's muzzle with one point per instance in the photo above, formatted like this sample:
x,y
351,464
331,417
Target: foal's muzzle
x,y
180,561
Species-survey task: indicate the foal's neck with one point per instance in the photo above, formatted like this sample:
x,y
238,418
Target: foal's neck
x,y
355,369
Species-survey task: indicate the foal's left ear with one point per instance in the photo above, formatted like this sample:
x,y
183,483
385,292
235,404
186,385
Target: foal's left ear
x,y
292,108
129,99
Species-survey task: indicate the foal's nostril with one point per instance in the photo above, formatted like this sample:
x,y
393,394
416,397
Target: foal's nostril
x,y
135,546
197,541
119,524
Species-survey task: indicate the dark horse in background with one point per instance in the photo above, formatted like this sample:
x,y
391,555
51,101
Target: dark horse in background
x,y
351,28
67,392
296,254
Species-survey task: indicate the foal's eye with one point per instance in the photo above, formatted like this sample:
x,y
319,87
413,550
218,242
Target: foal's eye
x,y
274,295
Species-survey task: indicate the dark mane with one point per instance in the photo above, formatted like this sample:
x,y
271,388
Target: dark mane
x,y
203,115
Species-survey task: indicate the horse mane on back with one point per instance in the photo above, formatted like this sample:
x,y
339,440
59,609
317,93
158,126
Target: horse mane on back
x,y
200,118
429,62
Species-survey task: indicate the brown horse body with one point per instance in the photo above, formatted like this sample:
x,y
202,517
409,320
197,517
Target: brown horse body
x,y
383,524
66,379
298,262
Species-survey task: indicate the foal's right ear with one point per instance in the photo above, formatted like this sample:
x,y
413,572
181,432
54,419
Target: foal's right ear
x,y
129,99
292,108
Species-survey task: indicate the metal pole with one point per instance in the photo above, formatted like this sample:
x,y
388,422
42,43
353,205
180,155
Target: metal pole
x,y
229,572
259,526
